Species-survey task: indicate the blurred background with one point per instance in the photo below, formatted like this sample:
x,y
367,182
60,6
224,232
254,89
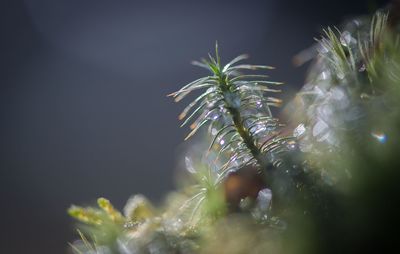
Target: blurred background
x,y
83,111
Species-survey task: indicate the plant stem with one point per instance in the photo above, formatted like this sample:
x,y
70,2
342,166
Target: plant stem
x,y
243,131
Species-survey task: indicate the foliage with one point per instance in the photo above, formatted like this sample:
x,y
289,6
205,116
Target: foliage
x,y
254,187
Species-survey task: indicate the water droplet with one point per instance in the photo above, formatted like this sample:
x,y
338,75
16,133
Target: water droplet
x,y
189,165
340,97
381,137
325,75
299,130
245,203
130,224
337,93
291,145
213,114
340,74
365,96
259,128
173,224
326,111
325,137
264,199
126,247
323,49
357,22
346,39
319,128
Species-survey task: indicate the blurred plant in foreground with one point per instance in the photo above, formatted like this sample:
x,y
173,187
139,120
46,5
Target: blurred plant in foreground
x,y
256,186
